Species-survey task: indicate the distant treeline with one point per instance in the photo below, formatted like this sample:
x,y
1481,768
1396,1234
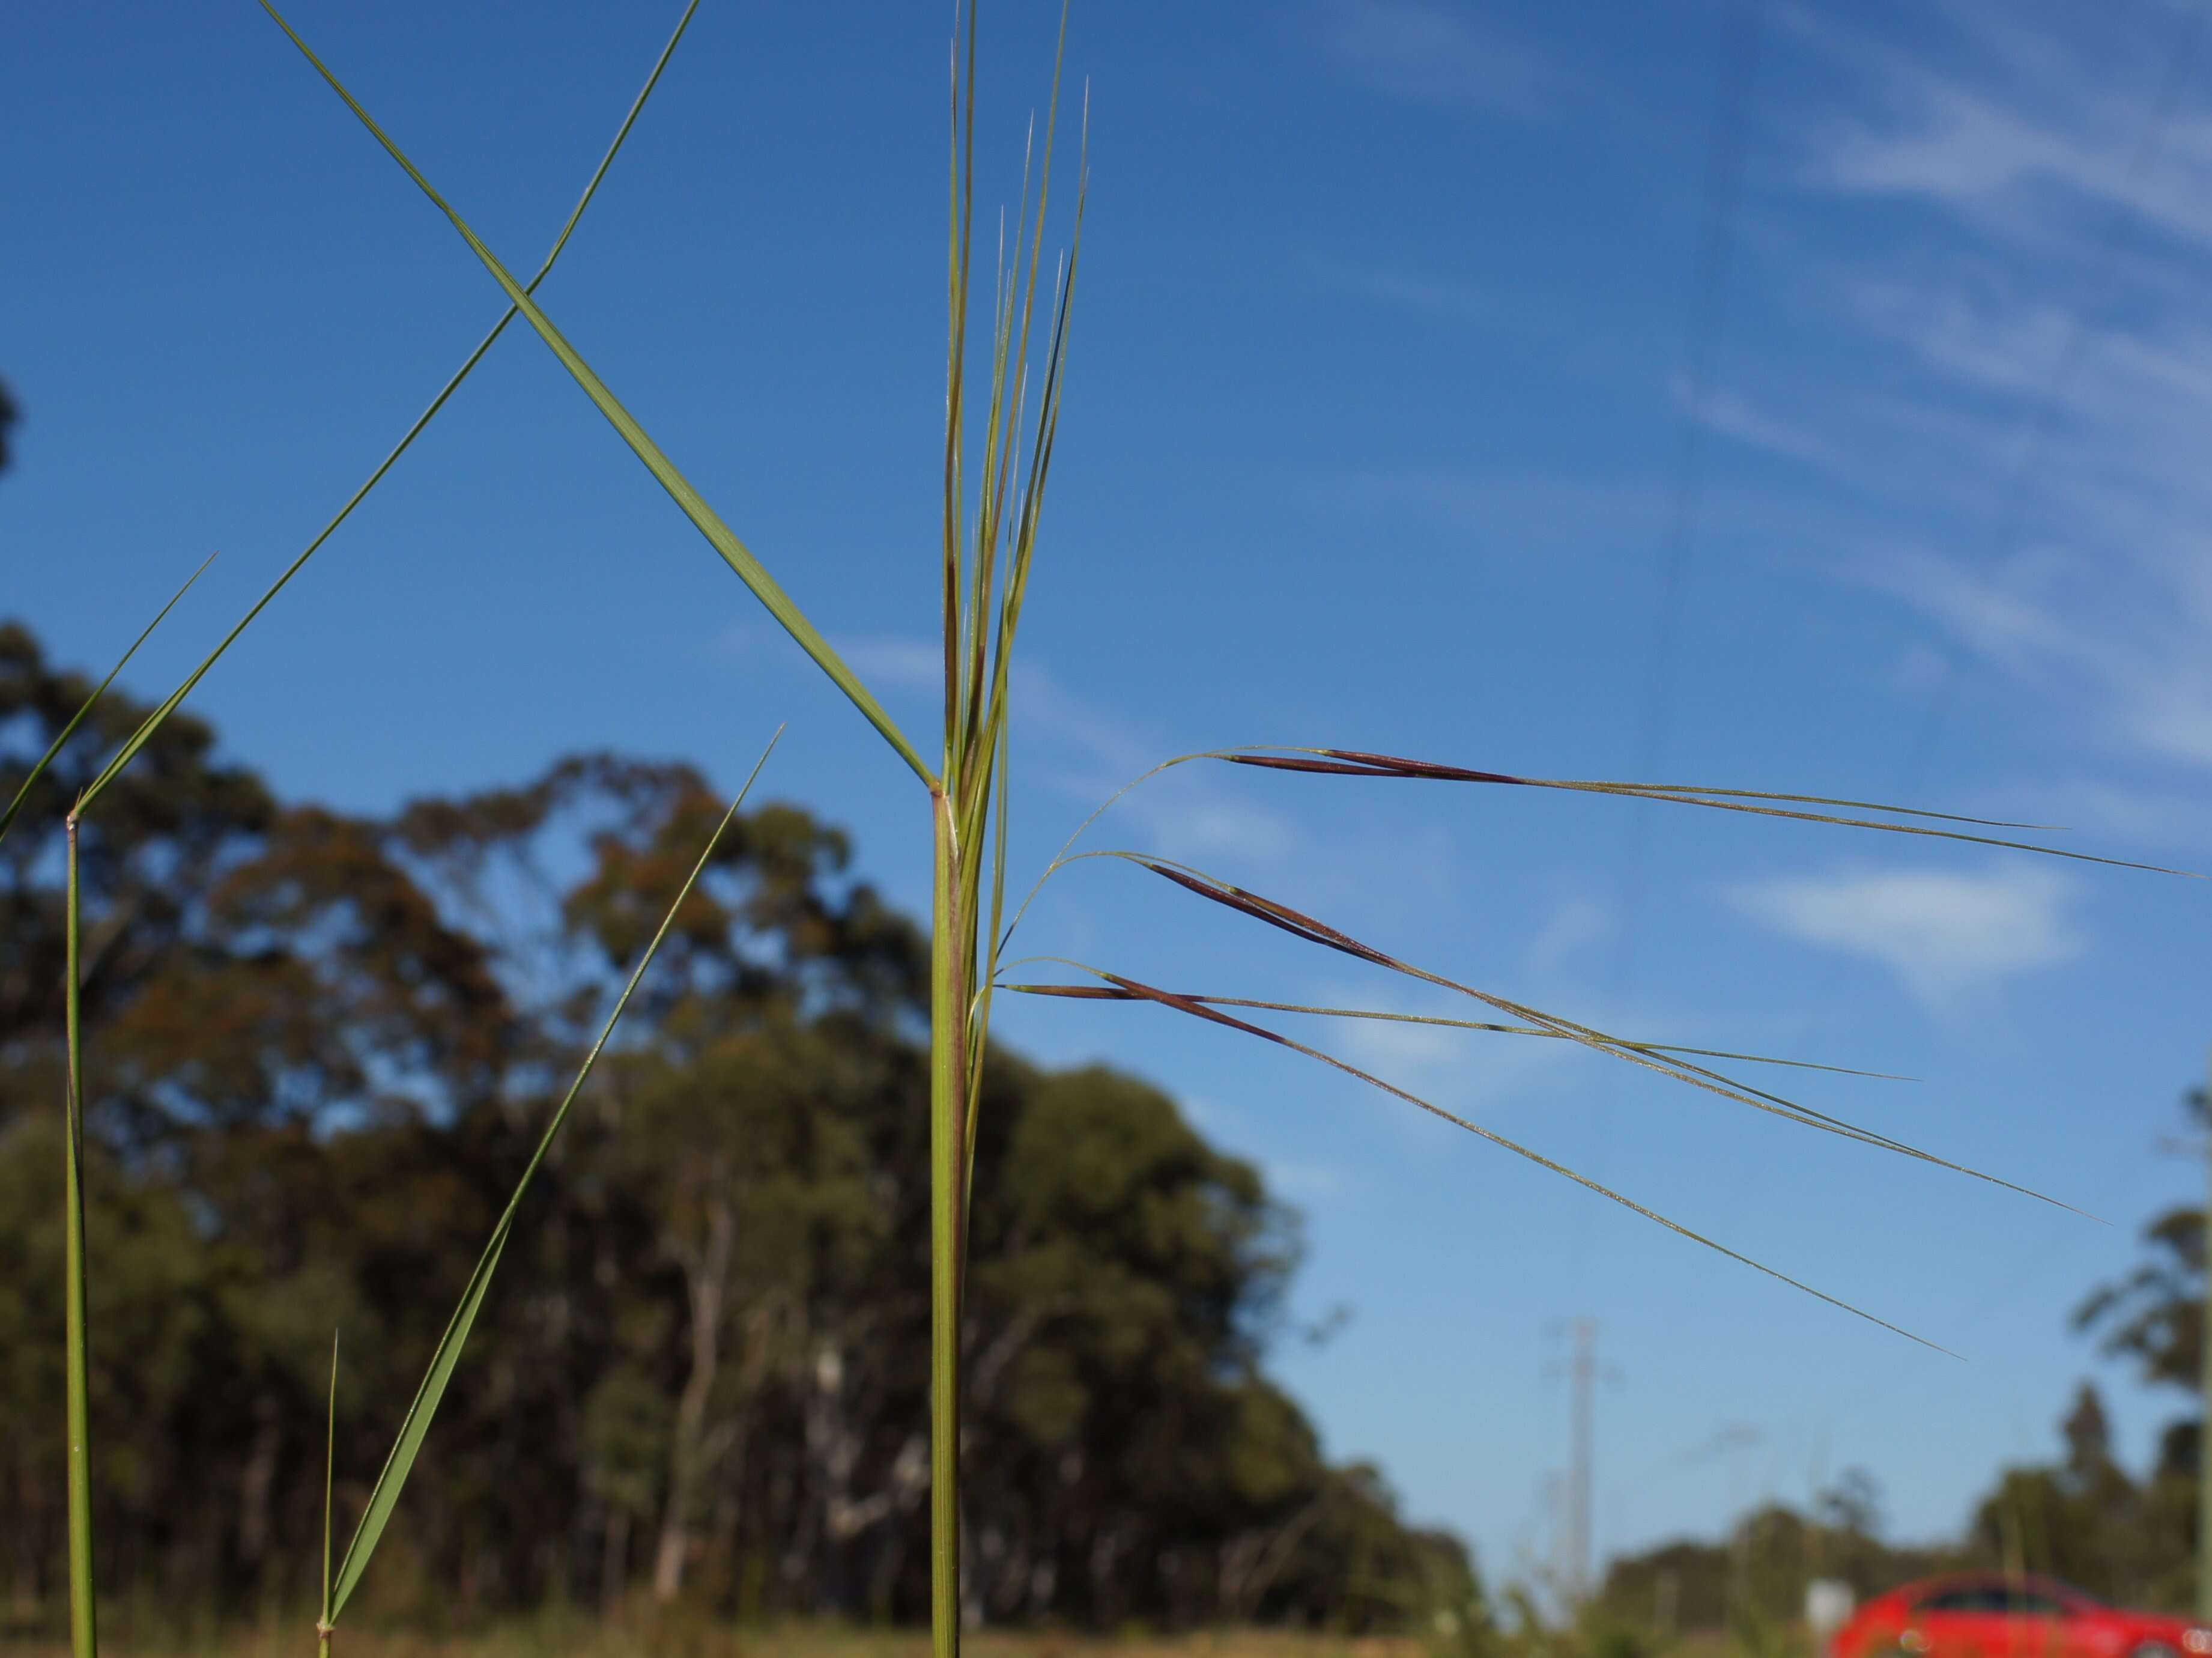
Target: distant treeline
x,y
321,1048
2083,1519
2125,1539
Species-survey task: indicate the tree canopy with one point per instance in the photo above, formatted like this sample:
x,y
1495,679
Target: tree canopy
x,y
319,1046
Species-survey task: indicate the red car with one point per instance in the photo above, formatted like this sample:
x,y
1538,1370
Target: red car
x,y
2010,1617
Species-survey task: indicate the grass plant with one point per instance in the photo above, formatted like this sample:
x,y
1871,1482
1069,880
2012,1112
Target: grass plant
x,y
999,440
557,1634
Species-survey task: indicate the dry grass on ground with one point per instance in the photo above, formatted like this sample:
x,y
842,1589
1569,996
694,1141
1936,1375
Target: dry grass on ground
x,y
583,1638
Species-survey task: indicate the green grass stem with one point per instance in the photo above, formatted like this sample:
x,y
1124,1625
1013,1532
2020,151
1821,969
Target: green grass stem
x,y
948,1100
84,1623
323,1627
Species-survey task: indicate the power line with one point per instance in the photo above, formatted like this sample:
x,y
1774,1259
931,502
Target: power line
x,y
1741,46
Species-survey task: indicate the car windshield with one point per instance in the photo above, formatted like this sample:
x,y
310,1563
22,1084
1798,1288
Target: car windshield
x,y
2018,1600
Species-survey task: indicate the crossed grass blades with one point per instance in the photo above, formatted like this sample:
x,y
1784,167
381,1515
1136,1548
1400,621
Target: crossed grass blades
x,y
995,472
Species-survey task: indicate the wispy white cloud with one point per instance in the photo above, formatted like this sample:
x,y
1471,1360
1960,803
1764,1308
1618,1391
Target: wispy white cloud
x,y
1567,932
1409,1055
1522,515
1083,753
896,663
1468,1071
1303,1181
2032,385
2020,130
1434,51
2158,816
1732,414
1943,933
2136,667
1404,286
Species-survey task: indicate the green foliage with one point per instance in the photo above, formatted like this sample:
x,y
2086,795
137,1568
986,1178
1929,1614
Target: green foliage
x,y
2083,1519
1750,1585
327,1046
2155,1315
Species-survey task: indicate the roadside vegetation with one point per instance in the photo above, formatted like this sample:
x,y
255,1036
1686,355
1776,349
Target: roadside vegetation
x,y
694,1418
817,1302
327,1042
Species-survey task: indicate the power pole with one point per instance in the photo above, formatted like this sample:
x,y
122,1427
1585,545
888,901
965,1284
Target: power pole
x,y
1739,1437
1576,1571
1584,1371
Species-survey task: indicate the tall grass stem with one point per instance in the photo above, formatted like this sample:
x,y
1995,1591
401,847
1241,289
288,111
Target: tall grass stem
x,y
324,1629
84,1629
948,1102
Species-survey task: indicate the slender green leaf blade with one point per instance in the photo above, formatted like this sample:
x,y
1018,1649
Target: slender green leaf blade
x,y
720,536
84,1609
416,1423
169,705
329,1476
15,805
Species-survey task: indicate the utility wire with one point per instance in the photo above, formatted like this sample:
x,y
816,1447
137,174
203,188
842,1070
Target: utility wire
x,y
1740,43
1723,192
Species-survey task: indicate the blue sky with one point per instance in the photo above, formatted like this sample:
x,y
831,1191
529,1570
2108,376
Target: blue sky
x,y
1783,396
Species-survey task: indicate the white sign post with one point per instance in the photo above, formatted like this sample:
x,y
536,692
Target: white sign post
x,y
1828,1607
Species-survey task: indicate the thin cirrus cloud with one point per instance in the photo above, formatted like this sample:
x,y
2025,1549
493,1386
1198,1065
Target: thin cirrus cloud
x,y
1430,51
1568,933
2045,333
1944,933
2138,665
1401,286
2020,137
1732,414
